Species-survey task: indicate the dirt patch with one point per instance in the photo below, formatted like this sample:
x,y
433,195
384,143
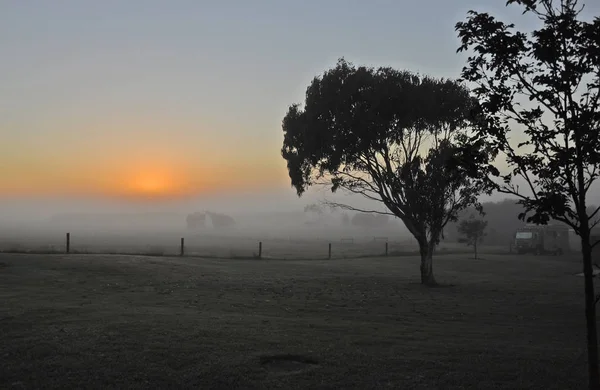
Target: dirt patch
x,y
287,364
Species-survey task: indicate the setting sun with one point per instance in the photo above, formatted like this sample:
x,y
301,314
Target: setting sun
x,y
150,184
153,181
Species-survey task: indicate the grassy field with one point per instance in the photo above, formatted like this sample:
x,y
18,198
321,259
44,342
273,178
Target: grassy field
x,y
104,321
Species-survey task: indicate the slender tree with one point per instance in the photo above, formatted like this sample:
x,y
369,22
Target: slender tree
x,y
545,83
393,137
472,231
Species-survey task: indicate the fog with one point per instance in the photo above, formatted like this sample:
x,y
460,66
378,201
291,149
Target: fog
x,y
167,213
135,225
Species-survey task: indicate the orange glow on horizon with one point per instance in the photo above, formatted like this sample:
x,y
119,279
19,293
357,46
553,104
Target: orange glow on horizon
x,y
152,179
144,172
152,184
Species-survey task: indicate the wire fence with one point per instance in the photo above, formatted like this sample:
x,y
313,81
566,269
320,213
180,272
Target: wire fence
x,y
228,247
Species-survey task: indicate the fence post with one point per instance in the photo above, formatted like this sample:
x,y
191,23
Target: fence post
x,y
386,248
68,242
182,246
260,249
329,256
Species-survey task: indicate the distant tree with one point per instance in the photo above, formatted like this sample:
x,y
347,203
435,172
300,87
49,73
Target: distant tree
x,y
393,137
472,231
557,69
502,216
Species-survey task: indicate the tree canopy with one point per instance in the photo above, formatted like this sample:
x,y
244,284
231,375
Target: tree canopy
x,y
546,83
391,136
557,70
472,231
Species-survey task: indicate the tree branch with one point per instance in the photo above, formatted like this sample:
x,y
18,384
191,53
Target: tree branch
x,y
352,208
593,214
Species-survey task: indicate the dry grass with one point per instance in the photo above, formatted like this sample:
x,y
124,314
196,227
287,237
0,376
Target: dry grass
x,y
155,322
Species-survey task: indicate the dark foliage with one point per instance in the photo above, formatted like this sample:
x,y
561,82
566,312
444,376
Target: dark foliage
x,y
556,69
472,231
393,137
547,84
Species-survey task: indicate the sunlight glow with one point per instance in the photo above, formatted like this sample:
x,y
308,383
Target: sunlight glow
x,y
152,185
153,181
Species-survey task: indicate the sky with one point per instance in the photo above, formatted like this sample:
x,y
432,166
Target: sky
x,y
178,98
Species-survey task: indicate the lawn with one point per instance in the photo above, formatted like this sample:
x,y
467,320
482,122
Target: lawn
x,y
108,321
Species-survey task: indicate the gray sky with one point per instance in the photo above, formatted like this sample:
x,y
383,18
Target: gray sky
x,y
104,97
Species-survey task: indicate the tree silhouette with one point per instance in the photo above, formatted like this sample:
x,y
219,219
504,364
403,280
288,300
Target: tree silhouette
x,y
557,69
472,231
393,137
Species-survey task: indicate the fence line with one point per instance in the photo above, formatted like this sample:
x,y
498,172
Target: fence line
x,y
276,249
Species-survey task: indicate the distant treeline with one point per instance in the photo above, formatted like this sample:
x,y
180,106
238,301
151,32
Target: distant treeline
x,y
502,220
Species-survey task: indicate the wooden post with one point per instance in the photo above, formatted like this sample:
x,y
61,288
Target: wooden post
x,y
329,256
386,248
182,246
68,242
260,250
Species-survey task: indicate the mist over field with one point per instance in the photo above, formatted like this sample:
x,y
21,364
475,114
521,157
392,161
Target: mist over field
x,y
279,219
167,213
117,225
271,210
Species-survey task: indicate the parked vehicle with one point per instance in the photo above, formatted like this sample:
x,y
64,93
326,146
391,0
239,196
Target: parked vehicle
x,y
542,239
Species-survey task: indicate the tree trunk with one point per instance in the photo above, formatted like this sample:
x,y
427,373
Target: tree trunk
x,y
427,264
588,272
590,313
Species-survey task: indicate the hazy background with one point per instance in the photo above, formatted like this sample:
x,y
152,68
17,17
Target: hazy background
x,y
176,106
